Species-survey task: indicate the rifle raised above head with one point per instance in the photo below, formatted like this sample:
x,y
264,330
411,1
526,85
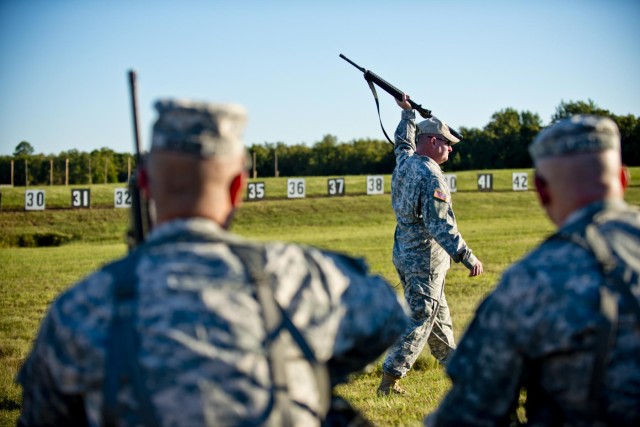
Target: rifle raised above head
x,y
372,78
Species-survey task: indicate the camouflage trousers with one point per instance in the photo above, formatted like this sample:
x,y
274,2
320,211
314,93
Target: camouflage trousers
x,y
430,323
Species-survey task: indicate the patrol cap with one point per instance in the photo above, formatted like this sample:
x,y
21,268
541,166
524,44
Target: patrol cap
x,y
199,128
577,134
435,126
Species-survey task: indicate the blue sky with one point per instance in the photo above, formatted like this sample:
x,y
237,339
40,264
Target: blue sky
x,y
63,63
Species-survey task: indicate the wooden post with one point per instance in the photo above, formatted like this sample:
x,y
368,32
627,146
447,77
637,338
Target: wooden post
x,y
90,177
26,173
128,168
66,171
12,169
105,171
276,172
50,171
255,172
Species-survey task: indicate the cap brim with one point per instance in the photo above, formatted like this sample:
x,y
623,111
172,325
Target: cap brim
x,y
452,139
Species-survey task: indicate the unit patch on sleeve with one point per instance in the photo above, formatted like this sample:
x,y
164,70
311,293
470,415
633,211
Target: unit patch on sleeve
x,y
440,195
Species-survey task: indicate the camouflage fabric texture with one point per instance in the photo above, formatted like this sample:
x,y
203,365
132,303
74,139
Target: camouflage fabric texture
x,y
538,330
202,336
426,239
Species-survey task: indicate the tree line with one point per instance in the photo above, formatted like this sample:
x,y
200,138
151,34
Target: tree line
x,y
68,167
501,144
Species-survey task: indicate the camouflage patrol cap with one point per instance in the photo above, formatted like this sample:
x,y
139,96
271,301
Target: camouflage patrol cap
x,y
578,134
435,126
198,128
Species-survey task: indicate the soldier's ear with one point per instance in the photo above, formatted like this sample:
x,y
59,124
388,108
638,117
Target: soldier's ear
x,y
625,177
235,189
542,189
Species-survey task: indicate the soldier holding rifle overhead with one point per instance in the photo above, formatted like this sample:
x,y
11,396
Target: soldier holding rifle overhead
x,y
426,240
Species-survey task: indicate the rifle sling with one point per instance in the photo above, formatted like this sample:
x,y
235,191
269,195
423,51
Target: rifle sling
x,y
617,282
375,96
121,365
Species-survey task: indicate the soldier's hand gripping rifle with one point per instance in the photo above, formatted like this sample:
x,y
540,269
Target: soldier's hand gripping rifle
x,y
372,78
140,219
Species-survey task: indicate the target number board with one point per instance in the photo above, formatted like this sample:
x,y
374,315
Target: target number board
x,y
34,200
256,191
335,187
296,188
375,184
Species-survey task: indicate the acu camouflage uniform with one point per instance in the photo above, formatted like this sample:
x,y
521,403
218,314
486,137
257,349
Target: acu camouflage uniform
x,y
426,239
550,325
202,337
538,330
203,351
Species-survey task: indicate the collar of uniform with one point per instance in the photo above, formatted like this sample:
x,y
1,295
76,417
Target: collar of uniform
x,y
185,226
587,212
430,161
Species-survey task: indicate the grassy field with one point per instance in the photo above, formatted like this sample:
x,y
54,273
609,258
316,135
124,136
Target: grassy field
x,y
500,226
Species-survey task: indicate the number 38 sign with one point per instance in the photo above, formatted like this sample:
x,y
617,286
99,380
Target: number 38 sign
x,y
375,184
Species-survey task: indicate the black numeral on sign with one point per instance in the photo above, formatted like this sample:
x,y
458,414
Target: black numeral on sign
x,y
485,182
335,187
255,191
80,198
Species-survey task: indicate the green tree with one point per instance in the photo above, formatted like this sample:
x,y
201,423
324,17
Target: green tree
x,y
23,149
568,109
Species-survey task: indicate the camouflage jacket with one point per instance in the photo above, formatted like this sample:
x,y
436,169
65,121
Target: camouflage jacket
x,y
201,334
538,330
426,232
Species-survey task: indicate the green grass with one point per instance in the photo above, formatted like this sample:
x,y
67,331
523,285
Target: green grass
x,y
500,226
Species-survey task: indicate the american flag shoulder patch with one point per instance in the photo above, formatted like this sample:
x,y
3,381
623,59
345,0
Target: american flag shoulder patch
x,y
440,195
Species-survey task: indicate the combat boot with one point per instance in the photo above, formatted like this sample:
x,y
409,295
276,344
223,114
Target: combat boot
x,y
389,384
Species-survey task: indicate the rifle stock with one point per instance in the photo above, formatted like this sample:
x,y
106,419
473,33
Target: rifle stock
x,y
140,219
372,77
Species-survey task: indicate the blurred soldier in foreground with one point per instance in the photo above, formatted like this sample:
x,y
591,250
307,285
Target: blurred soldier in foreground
x,y
426,239
198,326
564,322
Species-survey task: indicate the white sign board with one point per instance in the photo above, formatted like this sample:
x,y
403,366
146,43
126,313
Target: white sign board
x,y
520,181
452,182
121,198
34,200
295,188
375,184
